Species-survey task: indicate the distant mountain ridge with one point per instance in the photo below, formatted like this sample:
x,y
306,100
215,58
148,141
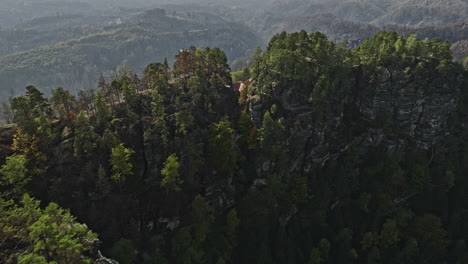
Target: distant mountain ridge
x,y
142,38
379,12
358,20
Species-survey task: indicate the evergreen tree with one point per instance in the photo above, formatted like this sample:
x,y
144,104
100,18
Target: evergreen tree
x,y
14,174
170,171
64,104
158,117
120,161
85,138
103,113
184,122
222,146
50,235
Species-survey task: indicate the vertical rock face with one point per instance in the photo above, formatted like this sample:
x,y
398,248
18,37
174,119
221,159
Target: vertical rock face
x,y
103,260
419,109
384,97
400,114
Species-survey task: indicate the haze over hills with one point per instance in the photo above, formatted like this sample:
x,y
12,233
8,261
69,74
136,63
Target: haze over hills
x,y
134,39
379,12
69,43
358,20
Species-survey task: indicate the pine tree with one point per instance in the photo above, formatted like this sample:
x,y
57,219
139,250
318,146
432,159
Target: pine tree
x,y
14,173
64,104
85,138
120,161
223,150
170,171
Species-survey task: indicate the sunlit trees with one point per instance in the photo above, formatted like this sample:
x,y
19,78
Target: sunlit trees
x,y
31,109
28,146
50,235
170,171
120,160
14,174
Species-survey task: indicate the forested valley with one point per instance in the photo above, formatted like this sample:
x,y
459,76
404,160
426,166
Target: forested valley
x,y
315,153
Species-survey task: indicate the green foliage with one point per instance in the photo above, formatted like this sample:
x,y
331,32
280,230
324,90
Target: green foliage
x,y
324,246
170,171
33,259
182,246
430,235
240,76
307,61
184,121
299,191
120,160
158,120
389,235
315,257
37,101
64,104
197,89
246,137
369,240
103,113
22,111
157,254
156,68
222,146
32,111
45,128
28,146
123,251
14,173
201,218
59,238
271,135
49,235
418,177
232,225
85,137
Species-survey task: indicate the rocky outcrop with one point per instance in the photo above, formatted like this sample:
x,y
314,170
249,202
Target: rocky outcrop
x,y
103,260
418,110
393,110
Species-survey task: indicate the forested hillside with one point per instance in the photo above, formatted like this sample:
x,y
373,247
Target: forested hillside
x,y
378,12
358,20
134,40
327,155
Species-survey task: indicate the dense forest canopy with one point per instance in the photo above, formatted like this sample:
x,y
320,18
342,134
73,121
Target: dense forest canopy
x,y
327,154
